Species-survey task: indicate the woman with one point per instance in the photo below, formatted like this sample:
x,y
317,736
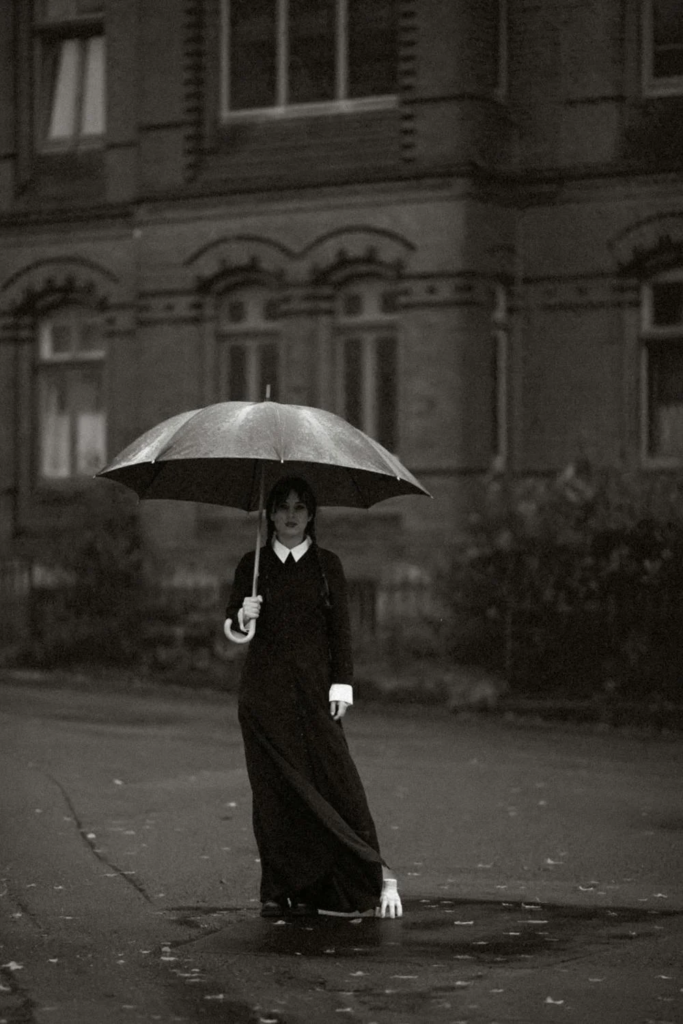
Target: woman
x,y
313,828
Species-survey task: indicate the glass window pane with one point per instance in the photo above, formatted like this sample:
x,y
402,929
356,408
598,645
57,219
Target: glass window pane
x,y
667,303
312,50
89,423
62,339
237,373
668,62
64,91
252,57
666,400
55,429
373,47
667,23
90,338
93,116
387,386
353,381
667,20
268,372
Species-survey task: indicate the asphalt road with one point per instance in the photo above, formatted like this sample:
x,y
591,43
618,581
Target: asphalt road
x,y
541,872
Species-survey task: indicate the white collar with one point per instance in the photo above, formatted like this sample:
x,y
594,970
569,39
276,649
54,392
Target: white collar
x,y
298,552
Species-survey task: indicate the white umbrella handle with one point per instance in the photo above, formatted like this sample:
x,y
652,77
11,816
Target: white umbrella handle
x,y
244,638
239,638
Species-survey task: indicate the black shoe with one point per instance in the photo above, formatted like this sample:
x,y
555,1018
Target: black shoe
x,y
272,909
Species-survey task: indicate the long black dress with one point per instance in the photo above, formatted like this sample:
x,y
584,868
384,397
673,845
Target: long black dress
x,y
314,831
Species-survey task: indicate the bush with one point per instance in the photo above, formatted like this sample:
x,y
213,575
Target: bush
x,y
92,608
574,584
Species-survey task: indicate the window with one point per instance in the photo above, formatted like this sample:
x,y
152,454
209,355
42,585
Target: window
x,y
367,360
662,368
249,346
499,375
663,46
284,56
70,55
71,413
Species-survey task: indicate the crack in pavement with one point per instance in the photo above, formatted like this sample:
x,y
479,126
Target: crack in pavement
x,y
83,833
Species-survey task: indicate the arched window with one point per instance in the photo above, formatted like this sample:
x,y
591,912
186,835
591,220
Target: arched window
x,y
71,414
367,358
249,357
662,367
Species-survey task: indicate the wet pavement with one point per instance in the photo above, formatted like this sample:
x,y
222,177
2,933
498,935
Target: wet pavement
x,y
540,873
446,960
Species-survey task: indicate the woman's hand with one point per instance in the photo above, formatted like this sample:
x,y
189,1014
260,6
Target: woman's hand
x,y
251,608
338,709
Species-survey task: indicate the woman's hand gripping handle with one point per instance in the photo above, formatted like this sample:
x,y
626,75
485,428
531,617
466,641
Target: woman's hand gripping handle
x,y
248,614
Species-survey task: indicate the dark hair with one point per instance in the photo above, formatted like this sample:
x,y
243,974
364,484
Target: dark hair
x,y
304,492
279,494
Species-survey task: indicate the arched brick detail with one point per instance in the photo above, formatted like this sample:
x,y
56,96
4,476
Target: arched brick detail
x,y
241,258
44,284
650,245
353,251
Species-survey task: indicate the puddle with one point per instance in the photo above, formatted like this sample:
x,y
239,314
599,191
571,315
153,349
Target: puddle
x,y
432,929
445,959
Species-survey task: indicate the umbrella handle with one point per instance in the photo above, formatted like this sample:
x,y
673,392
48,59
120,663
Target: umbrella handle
x,y
239,638
244,638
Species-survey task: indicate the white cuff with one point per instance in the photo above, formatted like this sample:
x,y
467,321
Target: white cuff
x,y
341,691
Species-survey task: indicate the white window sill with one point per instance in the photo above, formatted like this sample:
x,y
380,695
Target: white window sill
x,y
71,146
299,110
656,89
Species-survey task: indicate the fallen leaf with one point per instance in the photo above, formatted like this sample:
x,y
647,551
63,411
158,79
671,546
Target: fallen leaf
x,y
13,966
463,922
554,1002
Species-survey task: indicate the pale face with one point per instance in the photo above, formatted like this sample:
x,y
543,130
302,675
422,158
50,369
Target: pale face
x,y
290,519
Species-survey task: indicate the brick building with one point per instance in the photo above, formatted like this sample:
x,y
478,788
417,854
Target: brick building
x,y
459,223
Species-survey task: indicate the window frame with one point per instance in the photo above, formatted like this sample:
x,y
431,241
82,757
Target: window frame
x,y
282,109
370,329
652,335
52,32
254,334
63,365
671,86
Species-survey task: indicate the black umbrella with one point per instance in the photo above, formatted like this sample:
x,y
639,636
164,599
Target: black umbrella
x,y
229,453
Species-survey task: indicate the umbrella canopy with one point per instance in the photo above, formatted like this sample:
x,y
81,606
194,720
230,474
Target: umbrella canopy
x,y
225,454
